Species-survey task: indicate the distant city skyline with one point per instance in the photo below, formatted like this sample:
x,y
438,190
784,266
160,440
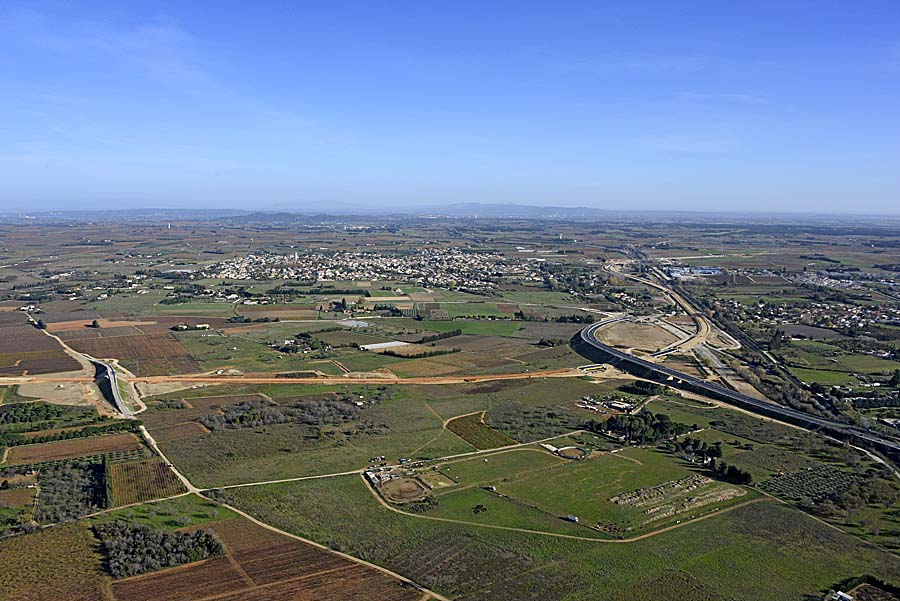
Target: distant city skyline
x,y
699,106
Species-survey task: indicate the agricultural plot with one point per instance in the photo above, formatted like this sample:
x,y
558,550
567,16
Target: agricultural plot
x,y
16,498
139,481
772,550
478,309
399,426
480,327
192,581
463,363
62,559
16,505
145,355
71,449
502,466
824,377
474,431
813,484
812,355
675,497
262,565
27,416
349,338
173,413
614,494
26,350
69,490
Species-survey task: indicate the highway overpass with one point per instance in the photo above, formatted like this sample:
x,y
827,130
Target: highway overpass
x,y
586,344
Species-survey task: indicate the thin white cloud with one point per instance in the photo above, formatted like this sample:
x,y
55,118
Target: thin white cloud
x,y
161,51
719,98
649,64
688,144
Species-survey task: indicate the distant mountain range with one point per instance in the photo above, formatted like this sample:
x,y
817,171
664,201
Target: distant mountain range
x,y
470,210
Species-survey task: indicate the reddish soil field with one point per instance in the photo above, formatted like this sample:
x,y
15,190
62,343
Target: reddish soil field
x,y
82,333
131,347
261,565
25,349
58,314
16,497
47,365
346,584
150,354
24,339
192,581
182,364
178,431
69,449
80,325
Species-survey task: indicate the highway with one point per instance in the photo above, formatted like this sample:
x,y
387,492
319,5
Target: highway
x,y
587,344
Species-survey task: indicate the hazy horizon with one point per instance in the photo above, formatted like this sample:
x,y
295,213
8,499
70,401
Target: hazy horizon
x,y
658,107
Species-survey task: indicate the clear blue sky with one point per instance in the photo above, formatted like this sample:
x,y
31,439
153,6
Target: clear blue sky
x,y
783,105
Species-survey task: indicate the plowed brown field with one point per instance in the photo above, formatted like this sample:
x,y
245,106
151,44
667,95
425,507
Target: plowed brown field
x,y
262,565
69,449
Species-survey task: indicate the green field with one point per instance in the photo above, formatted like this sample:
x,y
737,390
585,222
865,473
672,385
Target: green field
x,y
402,426
824,377
554,488
764,550
481,327
182,512
471,429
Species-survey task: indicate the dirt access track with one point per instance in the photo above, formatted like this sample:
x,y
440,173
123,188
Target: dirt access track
x,y
208,379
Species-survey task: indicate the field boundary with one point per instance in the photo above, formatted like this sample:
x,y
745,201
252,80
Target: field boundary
x,y
560,534
381,569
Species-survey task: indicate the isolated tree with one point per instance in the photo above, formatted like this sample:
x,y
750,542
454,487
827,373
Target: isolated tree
x,y
95,324
895,379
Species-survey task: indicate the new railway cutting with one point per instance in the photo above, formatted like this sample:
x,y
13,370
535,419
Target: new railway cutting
x,y
588,345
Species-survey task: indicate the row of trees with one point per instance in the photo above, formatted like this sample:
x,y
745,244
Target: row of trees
x,y
577,318
440,336
245,319
421,355
15,439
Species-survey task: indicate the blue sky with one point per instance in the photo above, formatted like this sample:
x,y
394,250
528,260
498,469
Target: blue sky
x,y
786,106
